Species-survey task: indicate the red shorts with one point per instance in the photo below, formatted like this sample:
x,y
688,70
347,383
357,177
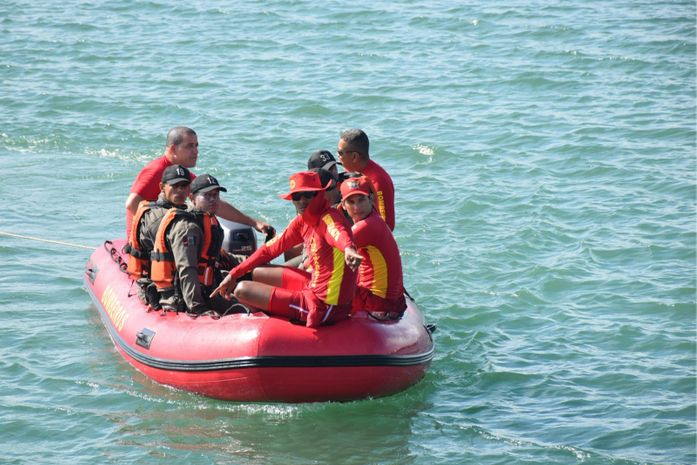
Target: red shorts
x,y
366,300
296,302
294,279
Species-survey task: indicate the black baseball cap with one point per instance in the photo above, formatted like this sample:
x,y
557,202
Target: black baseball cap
x,y
205,183
322,159
174,174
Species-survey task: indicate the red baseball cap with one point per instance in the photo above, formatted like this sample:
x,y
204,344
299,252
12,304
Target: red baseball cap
x,y
304,181
352,186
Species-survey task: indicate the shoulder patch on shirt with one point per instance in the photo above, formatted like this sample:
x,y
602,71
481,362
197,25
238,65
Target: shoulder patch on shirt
x,y
190,240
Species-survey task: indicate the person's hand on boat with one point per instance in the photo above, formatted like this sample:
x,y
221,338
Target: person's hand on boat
x,y
225,288
352,258
265,228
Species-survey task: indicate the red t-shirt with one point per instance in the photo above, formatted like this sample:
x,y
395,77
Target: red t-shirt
x,y
384,190
381,269
331,280
147,183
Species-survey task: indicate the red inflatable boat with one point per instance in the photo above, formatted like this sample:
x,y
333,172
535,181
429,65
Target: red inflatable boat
x,y
256,357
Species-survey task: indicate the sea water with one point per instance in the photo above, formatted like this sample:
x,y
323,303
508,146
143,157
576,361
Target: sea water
x,y
543,155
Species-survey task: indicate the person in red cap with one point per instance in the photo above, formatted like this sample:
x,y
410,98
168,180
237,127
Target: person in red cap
x,y
181,149
380,288
320,296
353,153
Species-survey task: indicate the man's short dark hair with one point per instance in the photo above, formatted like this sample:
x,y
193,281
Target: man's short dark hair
x,y
325,176
175,136
357,140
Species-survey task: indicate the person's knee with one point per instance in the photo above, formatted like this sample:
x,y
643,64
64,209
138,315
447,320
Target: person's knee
x,y
242,290
257,274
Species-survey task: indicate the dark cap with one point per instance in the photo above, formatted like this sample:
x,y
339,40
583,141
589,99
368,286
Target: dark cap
x,y
174,174
205,183
325,176
321,159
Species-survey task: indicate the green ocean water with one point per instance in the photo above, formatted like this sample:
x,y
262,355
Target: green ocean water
x,y
543,155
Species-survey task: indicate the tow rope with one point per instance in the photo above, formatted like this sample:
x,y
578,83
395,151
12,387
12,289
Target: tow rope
x,y
38,239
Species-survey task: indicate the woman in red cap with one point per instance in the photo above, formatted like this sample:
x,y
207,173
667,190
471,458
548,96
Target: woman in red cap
x,y
321,296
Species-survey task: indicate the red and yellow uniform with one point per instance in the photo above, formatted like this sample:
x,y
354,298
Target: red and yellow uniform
x,y
380,285
325,294
384,192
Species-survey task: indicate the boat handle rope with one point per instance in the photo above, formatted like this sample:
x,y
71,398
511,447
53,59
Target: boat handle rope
x,y
115,255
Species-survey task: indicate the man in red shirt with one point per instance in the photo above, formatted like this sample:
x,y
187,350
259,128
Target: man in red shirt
x,y
320,296
380,289
181,149
353,154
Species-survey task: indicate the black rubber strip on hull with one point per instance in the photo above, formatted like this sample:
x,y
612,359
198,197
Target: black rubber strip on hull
x,y
317,361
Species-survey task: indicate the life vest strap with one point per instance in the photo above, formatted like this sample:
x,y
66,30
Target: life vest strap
x,y
162,256
138,253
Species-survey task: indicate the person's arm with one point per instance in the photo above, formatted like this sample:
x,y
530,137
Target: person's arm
x,y
185,239
384,194
230,213
267,252
336,234
132,202
144,187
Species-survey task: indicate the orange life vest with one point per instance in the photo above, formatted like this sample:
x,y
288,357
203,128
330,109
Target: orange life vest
x,y
138,258
162,267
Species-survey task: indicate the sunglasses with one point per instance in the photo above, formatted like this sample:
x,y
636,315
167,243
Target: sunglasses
x,y
296,196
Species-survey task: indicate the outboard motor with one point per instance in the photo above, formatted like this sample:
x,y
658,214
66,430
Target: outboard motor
x,y
239,238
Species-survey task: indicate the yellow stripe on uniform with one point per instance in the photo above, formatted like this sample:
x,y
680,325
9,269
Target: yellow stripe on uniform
x,y
379,286
334,285
331,227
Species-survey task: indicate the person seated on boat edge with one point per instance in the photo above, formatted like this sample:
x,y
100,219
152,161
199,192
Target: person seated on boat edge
x,y
379,289
185,257
296,256
319,297
181,148
205,196
353,152
174,189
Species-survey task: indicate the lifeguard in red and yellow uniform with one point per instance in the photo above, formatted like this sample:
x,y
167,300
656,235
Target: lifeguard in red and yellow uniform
x,y
380,289
320,296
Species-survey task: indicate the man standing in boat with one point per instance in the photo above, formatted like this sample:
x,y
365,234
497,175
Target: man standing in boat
x,y
380,288
181,149
320,296
353,153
